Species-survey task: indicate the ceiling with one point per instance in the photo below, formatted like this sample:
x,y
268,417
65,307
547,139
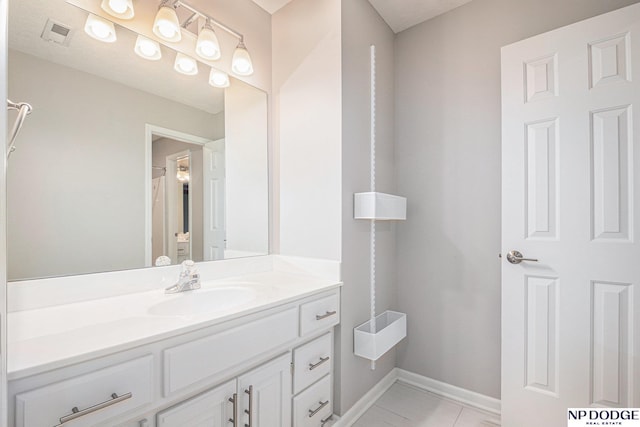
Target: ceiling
x,y
398,14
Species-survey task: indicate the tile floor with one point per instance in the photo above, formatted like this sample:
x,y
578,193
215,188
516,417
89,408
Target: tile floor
x,y
406,406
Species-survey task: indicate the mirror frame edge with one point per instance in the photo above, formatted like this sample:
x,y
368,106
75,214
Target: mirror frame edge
x,y
4,49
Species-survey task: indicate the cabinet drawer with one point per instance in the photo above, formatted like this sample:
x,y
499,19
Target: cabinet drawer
x,y
192,362
319,314
46,405
313,407
312,361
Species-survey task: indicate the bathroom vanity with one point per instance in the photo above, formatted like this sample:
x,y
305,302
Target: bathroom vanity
x,y
251,350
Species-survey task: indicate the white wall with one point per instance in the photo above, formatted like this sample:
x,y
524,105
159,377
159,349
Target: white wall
x,y
246,172
76,190
307,115
448,165
362,27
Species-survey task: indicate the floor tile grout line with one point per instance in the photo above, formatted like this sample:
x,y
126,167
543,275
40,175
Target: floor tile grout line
x,y
458,417
391,412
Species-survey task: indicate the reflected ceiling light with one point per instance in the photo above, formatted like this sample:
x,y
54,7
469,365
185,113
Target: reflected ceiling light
x,y
166,25
122,9
186,65
207,46
241,61
147,48
100,29
218,79
183,174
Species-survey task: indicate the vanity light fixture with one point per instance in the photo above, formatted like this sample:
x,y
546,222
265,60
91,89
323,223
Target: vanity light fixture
x,y
122,9
218,78
185,64
166,24
100,29
147,48
207,46
241,62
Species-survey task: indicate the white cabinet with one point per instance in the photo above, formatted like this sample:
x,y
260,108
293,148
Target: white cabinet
x,y
213,408
259,398
264,395
312,382
314,406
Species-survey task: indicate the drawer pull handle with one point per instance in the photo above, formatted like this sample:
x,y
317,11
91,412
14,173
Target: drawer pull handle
x,y
312,412
248,411
313,366
76,413
327,314
234,400
326,420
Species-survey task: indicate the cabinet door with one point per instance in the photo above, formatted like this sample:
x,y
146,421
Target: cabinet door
x,y
211,409
265,395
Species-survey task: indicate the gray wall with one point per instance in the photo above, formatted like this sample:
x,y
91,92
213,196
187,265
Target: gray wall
x,y
448,165
362,27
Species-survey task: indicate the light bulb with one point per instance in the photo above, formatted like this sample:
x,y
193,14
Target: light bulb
x,y
147,49
166,25
207,46
218,79
241,61
100,29
122,9
119,6
185,65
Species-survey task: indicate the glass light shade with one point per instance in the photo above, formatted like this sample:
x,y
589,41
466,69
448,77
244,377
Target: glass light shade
x,y
100,29
185,65
166,25
218,79
241,62
122,9
147,48
207,46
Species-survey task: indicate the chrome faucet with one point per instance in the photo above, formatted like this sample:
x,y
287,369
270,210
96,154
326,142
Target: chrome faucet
x,y
189,279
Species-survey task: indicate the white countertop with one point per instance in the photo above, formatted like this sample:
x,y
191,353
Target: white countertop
x,y
52,337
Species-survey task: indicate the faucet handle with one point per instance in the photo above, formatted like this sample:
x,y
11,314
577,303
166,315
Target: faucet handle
x,y
188,269
188,265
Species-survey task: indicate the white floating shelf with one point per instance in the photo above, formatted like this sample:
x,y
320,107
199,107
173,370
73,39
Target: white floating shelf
x,y
379,206
390,327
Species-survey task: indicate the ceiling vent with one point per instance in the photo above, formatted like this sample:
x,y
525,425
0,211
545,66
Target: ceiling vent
x,y
57,32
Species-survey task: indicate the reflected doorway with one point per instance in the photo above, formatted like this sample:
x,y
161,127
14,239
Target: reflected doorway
x,y
186,212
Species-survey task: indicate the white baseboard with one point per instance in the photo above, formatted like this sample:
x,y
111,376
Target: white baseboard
x,y
467,397
361,406
448,391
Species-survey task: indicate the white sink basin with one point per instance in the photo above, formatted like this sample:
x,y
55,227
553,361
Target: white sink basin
x,y
202,301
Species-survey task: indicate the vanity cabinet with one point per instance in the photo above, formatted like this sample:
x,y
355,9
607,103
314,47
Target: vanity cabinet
x,y
269,368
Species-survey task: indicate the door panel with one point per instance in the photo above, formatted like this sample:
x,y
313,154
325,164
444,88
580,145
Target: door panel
x,y
571,183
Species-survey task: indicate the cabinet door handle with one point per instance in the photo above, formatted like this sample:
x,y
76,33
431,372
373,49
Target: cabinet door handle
x,y
313,366
249,411
234,400
326,420
327,314
76,413
312,412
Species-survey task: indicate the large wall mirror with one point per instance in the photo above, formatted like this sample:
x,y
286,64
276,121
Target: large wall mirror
x,y
124,161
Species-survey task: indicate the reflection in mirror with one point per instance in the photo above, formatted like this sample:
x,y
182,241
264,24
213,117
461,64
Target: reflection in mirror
x,y
88,185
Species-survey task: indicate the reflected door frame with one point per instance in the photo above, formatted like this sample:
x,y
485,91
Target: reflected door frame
x,y
150,132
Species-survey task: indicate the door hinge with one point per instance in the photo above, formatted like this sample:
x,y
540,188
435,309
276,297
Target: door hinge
x,y
292,367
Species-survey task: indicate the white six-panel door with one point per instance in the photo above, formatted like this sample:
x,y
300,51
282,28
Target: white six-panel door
x,y
571,186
